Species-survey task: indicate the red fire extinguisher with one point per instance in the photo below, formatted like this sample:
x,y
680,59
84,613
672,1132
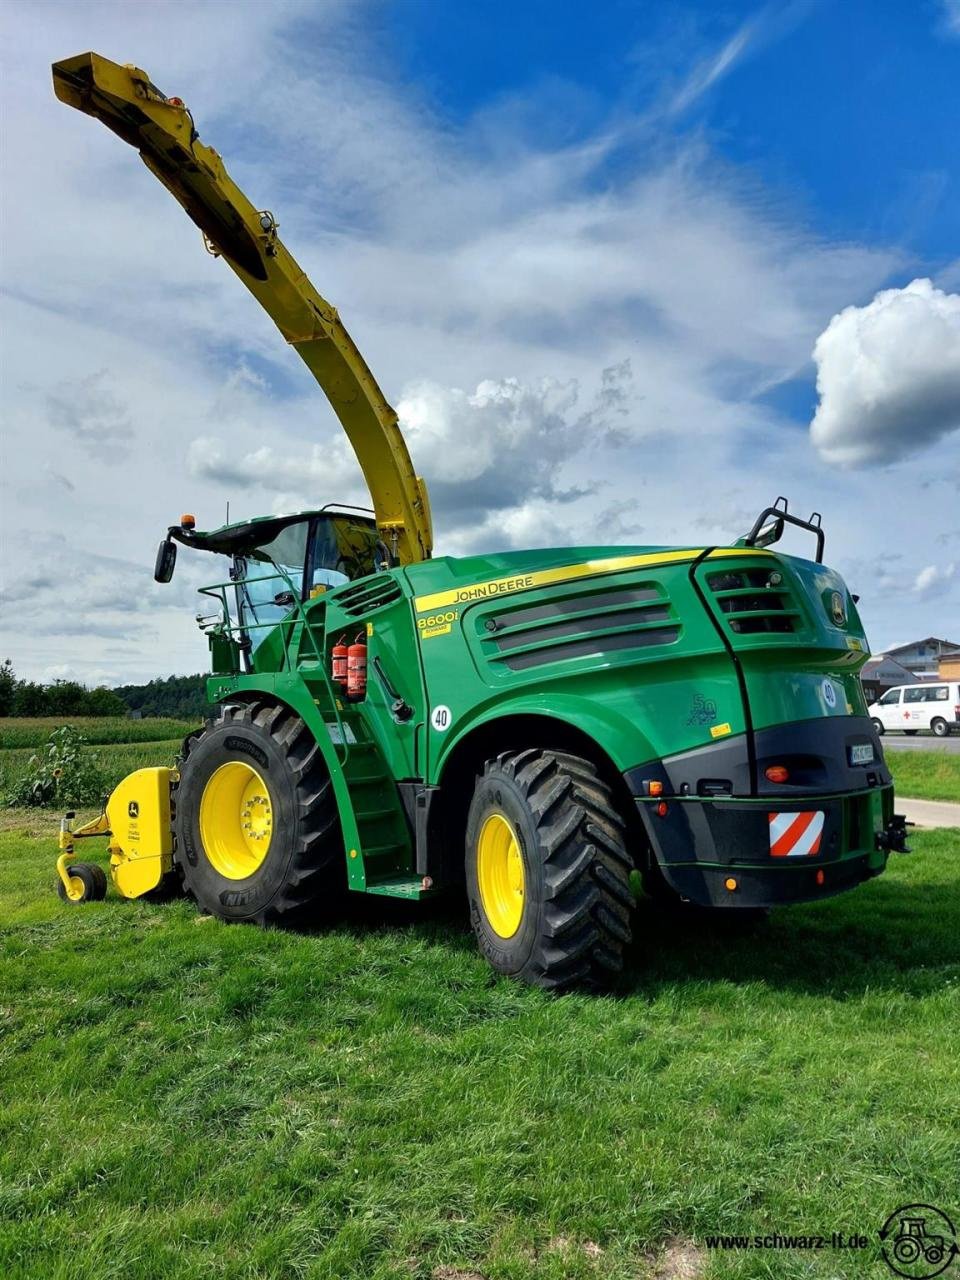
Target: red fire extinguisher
x,y
357,669
339,669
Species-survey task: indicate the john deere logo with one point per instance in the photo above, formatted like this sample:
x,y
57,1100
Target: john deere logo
x,y
838,610
133,809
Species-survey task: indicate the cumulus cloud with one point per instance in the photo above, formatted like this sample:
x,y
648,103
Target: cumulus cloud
x,y
888,376
505,442
933,580
485,451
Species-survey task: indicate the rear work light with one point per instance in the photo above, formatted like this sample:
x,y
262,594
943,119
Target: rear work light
x,y
777,773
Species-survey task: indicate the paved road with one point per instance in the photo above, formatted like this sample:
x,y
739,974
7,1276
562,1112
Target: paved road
x,y
922,742
929,813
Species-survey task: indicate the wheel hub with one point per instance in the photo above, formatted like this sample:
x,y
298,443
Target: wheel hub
x,y
500,875
236,820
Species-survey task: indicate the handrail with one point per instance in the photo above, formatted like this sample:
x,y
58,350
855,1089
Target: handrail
x,y
218,591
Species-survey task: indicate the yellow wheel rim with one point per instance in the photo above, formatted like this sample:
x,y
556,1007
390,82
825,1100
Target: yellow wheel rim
x,y
500,875
236,820
76,890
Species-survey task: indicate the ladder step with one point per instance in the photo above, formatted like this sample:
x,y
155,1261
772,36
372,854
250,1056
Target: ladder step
x,y
400,887
378,850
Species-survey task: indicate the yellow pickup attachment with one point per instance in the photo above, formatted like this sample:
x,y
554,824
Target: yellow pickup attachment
x,y
137,821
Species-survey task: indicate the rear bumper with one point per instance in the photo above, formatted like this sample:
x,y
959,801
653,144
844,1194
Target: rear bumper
x,y
726,850
700,846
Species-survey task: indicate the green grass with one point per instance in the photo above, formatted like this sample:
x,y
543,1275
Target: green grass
x,y
184,1099
925,775
34,731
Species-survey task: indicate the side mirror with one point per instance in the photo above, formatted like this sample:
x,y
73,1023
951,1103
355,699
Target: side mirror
x,y
166,560
772,533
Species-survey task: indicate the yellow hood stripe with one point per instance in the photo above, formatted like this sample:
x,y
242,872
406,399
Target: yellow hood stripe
x,y
568,573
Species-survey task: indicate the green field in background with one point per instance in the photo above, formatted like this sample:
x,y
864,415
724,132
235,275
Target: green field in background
x,y
34,731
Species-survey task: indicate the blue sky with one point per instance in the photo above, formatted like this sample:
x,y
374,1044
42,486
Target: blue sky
x,y
628,271
846,109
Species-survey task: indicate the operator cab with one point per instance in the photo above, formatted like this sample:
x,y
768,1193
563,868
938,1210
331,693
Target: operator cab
x,y
279,561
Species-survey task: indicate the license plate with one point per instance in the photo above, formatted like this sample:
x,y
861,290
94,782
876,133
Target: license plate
x,y
861,753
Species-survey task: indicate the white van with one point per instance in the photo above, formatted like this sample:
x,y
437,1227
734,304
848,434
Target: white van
x,y
911,707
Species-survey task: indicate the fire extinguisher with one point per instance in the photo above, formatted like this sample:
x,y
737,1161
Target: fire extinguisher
x,y
357,669
339,669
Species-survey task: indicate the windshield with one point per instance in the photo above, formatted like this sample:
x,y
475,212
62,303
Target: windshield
x,y
268,576
344,548
306,558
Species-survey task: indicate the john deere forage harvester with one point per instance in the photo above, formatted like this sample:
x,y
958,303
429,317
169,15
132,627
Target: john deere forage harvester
x,y
534,725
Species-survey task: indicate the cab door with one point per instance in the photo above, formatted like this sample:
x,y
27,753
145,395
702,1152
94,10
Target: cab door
x,y
889,709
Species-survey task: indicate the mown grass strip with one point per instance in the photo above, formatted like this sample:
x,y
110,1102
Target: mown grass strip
x,y
925,775
181,1098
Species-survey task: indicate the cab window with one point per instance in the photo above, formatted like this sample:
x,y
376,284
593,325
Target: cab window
x,y
890,697
342,548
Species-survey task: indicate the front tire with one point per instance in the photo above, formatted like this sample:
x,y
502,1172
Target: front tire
x,y
878,727
257,833
547,870
88,883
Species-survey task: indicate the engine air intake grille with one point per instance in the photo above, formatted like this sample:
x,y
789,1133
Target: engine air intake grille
x,y
755,602
591,625
373,593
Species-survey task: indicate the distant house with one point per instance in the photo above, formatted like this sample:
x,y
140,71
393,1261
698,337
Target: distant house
x,y
950,667
881,673
922,657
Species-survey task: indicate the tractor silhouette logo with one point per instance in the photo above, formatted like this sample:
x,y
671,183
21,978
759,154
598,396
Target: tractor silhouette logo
x,y
918,1241
133,809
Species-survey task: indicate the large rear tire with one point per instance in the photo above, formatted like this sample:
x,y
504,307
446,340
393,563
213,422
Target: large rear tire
x,y
257,833
547,870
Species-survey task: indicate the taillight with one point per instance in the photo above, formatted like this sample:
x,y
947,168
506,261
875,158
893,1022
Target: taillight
x,y
776,773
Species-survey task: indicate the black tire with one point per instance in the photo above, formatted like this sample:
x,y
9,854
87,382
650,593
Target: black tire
x,y
906,1251
94,881
911,733
575,920
878,727
940,727
303,868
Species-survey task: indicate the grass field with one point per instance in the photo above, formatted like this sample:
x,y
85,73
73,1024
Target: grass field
x,y
35,730
122,745
181,1098
925,775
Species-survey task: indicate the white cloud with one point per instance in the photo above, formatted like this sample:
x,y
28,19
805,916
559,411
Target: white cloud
x,y
888,376
933,580
951,17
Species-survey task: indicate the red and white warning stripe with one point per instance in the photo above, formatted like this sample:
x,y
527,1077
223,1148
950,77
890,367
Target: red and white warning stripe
x,y
795,835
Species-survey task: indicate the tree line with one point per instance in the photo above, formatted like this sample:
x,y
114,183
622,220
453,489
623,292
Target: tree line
x,y
179,697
